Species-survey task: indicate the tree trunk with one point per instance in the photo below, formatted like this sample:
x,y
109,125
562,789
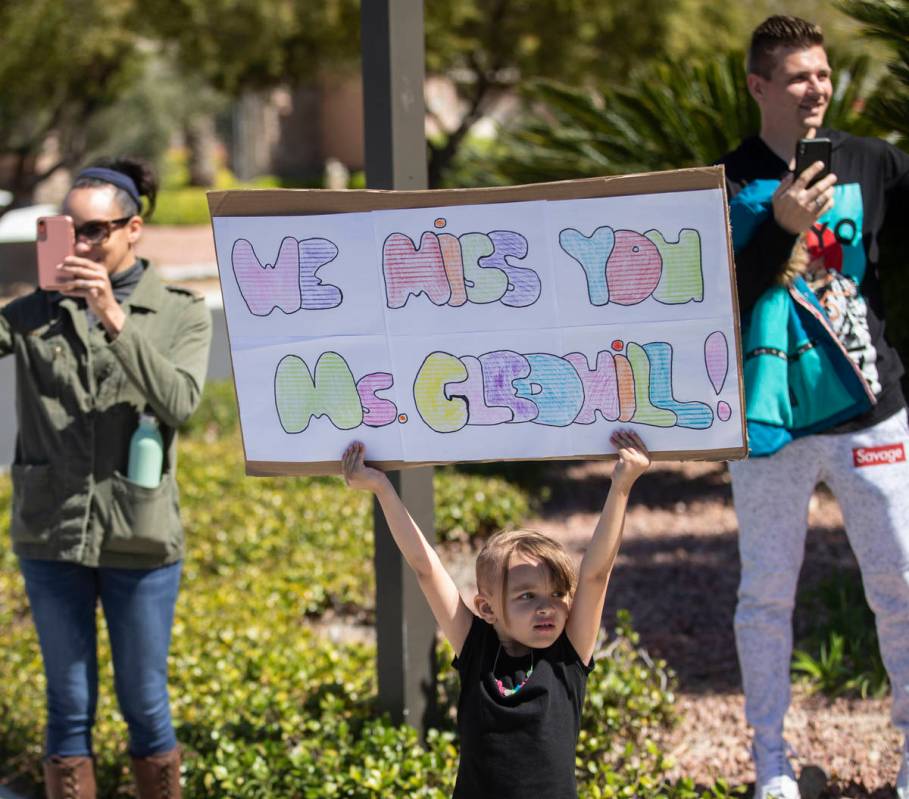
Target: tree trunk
x,y
21,181
440,158
201,142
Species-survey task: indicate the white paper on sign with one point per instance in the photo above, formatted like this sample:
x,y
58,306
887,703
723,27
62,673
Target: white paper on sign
x,y
660,377
471,391
303,276
308,400
482,332
651,257
447,270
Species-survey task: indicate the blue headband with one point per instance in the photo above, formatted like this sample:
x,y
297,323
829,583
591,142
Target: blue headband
x,y
115,178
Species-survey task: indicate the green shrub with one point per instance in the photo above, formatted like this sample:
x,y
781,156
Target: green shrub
x,y
272,534
283,525
267,708
184,206
217,414
188,205
840,654
470,506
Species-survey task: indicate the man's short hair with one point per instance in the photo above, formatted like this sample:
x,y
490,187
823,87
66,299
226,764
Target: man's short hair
x,y
778,32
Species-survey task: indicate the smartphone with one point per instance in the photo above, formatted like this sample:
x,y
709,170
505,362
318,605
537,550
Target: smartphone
x,y
56,240
810,150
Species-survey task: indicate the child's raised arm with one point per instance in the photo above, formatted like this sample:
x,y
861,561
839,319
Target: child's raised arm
x,y
583,624
452,615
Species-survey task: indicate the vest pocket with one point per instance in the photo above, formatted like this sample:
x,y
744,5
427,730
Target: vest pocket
x,y
144,521
35,503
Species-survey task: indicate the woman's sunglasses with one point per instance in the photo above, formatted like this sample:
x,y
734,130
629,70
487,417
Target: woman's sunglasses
x,y
97,231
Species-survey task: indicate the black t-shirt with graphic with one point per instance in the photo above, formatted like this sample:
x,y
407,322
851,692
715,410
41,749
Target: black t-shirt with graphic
x,y
522,745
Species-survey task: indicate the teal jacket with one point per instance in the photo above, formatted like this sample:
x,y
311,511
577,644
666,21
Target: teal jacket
x,y
798,377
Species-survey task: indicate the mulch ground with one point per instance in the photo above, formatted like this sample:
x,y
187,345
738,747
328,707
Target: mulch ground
x,y
677,573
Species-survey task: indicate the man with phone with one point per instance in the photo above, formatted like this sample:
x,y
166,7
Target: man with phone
x,y
823,395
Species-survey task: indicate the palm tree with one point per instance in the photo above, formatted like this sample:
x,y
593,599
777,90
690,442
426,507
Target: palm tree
x,y
888,20
669,115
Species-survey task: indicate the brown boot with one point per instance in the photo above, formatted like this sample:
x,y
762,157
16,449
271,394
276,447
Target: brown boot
x,y
158,776
69,778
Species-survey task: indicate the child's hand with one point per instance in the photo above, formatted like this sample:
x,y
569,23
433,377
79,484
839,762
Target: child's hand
x,y
634,459
356,473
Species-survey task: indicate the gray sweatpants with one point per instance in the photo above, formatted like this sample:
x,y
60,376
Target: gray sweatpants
x,y
868,472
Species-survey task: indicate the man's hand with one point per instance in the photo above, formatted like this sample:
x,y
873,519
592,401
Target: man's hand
x,y
81,277
634,459
357,474
796,206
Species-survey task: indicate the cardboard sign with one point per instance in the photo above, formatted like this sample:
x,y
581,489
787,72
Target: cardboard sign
x,y
490,324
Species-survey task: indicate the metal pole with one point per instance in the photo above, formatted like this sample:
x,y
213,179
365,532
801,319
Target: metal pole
x,y
393,69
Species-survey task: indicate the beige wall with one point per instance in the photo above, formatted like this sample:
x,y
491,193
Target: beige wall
x,y
342,120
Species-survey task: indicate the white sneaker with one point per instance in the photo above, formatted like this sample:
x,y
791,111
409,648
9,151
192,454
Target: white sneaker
x,y
775,778
780,786
902,779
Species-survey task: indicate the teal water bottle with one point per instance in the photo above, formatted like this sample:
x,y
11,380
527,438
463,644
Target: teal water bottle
x,y
146,453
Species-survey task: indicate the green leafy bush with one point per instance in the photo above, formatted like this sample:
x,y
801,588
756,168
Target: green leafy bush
x,y
470,506
267,707
304,541
188,205
840,653
217,413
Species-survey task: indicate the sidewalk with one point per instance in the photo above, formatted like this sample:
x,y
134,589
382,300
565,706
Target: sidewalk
x,y
184,255
189,247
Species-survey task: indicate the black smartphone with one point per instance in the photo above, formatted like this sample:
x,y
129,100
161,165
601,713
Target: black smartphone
x,y
810,150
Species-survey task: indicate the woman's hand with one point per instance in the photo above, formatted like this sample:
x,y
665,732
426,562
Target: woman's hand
x,y
634,459
82,277
357,474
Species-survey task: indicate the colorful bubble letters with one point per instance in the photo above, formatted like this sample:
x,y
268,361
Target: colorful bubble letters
x,y
503,387
626,267
452,270
483,331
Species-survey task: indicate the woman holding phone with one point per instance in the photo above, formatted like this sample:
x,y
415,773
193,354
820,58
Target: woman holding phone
x,y
112,342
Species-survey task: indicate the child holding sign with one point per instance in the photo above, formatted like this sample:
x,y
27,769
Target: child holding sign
x,y
524,655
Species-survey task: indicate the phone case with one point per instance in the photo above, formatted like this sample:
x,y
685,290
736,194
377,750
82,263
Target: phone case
x,y
809,151
56,240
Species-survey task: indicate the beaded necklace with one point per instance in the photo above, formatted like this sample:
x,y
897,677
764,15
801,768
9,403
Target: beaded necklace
x,y
506,685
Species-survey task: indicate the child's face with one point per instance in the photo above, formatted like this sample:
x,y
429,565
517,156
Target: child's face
x,y
534,611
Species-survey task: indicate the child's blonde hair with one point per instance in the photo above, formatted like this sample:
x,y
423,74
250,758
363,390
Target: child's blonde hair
x,y
798,262
494,557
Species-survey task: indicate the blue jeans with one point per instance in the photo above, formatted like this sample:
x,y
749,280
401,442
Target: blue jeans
x,y
138,605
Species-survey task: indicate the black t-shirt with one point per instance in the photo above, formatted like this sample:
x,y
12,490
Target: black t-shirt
x,y
523,745
872,193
